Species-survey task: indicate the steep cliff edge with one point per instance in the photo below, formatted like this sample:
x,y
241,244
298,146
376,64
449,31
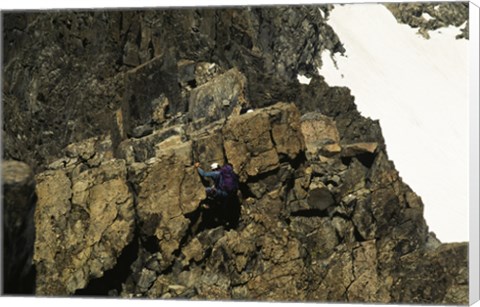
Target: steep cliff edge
x,y
132,99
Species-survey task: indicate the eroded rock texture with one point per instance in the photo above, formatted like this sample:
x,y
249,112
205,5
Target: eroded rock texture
x,y
321,214
84,218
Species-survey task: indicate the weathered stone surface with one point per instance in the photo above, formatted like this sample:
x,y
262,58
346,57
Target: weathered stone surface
x,y
145,148
160,107
82,223
351,150
208,145
204,72
320,133
319,197
18,207
421,271
329,150
254,141
368,286
218,97
92,151
170,190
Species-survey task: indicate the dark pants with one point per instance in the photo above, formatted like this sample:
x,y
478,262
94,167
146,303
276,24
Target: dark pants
x,y
217,193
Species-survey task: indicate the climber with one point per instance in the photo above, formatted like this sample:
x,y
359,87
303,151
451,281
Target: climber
x,y
225,180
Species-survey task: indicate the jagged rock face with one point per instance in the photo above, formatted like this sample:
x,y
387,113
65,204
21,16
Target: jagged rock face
x,y
256,142
434,265
321,213
170,190
67,73
84,218
335,227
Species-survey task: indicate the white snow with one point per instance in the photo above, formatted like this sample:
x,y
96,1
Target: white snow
x,y
303,80
427,16
418,89
322,13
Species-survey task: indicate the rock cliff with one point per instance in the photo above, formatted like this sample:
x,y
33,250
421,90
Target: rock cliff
x,y
112,110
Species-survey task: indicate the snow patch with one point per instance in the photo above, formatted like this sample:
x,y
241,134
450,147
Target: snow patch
x,y
427,16
303,80
322,13
418,89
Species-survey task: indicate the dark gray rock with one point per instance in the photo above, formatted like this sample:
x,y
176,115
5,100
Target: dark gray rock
x,y
18,207
320,198
217,98
441,15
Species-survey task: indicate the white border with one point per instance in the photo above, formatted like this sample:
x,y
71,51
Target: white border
x,y
474,271
98,4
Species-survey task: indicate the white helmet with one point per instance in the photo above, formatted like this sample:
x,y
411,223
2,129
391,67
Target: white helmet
x,y
214,165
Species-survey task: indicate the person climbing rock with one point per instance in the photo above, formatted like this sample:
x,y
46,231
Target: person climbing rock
x,y
224,178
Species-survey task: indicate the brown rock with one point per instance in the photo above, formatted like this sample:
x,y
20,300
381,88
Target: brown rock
x,y
286,131
247,138
438,276
351,150
337,275
83,224
367,284
193,251
208,148
320,132
330,149
254,141
169,191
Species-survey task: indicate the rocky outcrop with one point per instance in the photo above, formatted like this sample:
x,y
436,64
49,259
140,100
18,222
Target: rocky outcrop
x,y
169,190
422,269
84,217
335,226
321,214
68,73
256,142
432,16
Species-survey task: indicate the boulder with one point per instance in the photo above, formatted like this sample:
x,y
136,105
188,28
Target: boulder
x,y
83,223
320,198
320,133
256,141
355,149
217,98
